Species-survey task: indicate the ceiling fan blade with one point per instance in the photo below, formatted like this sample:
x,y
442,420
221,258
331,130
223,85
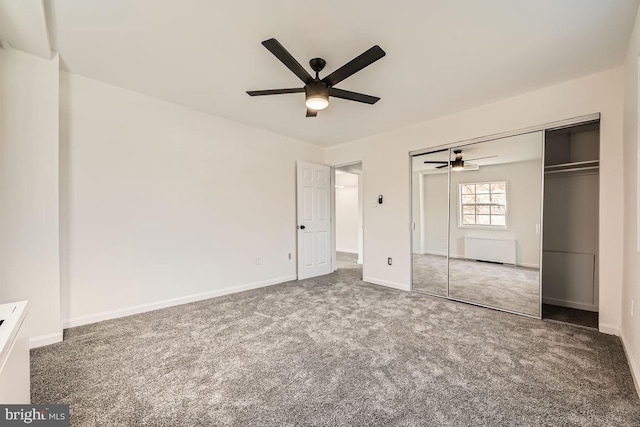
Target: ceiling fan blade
x,y
274,91
480,158
285,57
311,113
353,96
436,161
440,167
355,65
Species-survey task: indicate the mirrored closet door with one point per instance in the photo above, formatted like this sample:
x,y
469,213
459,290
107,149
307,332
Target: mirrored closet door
x,y
430,183
477,223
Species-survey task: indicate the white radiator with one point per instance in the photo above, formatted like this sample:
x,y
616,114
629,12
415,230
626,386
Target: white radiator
x,y
487,249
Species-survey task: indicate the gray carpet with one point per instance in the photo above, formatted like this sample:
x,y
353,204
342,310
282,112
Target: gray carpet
x,y
335,351
346,260
507,287
430,274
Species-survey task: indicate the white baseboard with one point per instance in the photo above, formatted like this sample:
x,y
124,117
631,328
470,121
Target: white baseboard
x,y
609,329
527,265
635,369
570,304
128,311
386,283
42,340
521,264
349,251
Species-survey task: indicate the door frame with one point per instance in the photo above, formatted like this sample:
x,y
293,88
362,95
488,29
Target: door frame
x,y
361,184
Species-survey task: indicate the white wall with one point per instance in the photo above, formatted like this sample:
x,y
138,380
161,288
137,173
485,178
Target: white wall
x,y
386,165
162,204
631,284
523,184
570,274
434,223
347,216
417,188
29,238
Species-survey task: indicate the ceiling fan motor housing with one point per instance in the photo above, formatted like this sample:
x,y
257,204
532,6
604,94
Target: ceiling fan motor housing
x,y
316,88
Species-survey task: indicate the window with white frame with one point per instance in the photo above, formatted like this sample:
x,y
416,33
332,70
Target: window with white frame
x,y
483,204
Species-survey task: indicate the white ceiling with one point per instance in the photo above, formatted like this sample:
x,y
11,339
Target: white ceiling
x,y
442,56
23,26
353,168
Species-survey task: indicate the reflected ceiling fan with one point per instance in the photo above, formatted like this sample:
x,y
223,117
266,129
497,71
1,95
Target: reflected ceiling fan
x,y
459,163
317,91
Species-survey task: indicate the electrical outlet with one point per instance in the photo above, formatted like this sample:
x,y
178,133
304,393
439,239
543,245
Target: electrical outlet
x,y
289,255
389,261
258,260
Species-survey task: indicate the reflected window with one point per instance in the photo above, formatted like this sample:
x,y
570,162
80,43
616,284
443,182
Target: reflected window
x,y
483,204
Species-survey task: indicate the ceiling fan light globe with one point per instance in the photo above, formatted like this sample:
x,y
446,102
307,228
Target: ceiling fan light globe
x,y
317,102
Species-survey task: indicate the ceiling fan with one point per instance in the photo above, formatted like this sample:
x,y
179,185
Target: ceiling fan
x,y
317,91
459,163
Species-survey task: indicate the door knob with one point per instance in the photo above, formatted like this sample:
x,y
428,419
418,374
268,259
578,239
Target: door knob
x,y
302,227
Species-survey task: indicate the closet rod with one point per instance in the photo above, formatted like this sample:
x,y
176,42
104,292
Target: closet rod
x,y
564,165
573,169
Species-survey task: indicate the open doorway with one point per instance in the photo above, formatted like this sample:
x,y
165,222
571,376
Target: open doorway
x,y
349,217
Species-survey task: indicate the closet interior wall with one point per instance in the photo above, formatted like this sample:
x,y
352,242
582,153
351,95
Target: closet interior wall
x,y
571,197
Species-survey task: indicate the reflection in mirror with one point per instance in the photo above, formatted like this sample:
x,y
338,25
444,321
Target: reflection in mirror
x,y
430,194
494,246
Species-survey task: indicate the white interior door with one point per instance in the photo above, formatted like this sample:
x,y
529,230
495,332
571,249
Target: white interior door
x,y
314,220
